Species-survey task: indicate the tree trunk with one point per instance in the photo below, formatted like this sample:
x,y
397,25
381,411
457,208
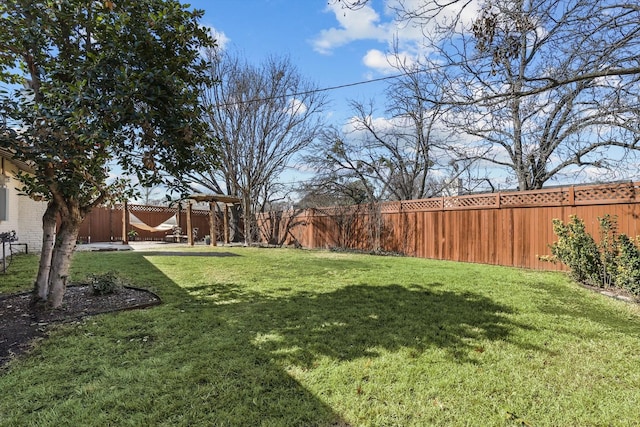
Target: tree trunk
x,y
233,226
61,260
248,220
41,286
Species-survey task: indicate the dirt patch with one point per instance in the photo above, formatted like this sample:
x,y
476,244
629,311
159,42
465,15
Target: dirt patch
x,y
21,324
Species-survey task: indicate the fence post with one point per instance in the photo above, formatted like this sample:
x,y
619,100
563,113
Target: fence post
x,y
572,196
225,221
125,223
189,229
213,227
311,228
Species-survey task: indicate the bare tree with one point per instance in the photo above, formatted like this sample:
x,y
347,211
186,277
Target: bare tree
x,y
149,196
332,190
501,78
262,117
541,88
399,156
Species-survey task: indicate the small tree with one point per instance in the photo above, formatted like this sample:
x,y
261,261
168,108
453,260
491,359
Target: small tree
x,y
102,82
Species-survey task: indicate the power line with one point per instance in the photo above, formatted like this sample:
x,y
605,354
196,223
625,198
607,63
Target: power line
x,y
318,90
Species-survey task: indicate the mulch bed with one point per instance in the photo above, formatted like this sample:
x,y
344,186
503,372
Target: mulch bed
x,y
21,324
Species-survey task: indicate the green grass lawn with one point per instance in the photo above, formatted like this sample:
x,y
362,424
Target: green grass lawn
x,y
277,337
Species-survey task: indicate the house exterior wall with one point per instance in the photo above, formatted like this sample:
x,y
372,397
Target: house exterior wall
x,y
24,215
30,222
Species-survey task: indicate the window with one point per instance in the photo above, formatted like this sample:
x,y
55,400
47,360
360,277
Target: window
x,y
4,203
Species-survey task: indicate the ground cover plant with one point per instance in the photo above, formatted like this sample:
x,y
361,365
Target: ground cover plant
x,y
280,337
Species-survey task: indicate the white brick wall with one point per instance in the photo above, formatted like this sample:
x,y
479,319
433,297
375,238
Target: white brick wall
x,y
30,222
25,215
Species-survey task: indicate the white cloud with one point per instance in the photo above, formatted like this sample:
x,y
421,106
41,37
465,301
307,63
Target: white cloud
x,y
221,38
377,59
430,15
361,24
295,107
354,126
404,37
387,63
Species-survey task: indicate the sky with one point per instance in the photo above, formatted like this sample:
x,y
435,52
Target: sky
x,y
330,45
347,51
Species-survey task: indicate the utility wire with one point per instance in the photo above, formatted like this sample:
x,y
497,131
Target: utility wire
x,y
318,90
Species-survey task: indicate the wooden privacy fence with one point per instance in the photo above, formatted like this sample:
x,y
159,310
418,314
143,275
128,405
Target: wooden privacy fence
x,y
104,224
510,228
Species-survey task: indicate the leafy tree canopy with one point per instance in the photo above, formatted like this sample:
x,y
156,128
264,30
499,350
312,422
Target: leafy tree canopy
x,y
88,83
101,81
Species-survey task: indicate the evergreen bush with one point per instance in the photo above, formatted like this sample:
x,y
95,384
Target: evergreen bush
x,y
628,264
608,249
577,250
614,262
105,283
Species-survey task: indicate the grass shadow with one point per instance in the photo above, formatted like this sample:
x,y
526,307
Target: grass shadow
x,y
179,363
360,320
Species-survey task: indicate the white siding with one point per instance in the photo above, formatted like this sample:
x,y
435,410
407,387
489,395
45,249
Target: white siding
x,y
11,222
30,223
25,215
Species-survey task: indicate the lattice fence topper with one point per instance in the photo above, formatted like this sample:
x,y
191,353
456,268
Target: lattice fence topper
x,y
332,211
146,208
342,210
623,192
422,205
560,196
198,212
481,201
162,209
150,208
390,207
546,198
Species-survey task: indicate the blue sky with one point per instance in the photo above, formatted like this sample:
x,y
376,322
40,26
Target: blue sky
x,y
330,45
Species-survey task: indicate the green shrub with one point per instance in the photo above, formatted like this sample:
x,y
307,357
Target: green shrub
x,y
628,265
608,247
615,261
577,250
105,283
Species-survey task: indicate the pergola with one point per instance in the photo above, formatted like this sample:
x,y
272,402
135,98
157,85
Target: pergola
x,y
213,200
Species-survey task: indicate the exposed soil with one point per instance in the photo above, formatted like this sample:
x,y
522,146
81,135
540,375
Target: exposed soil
x,y
21,324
